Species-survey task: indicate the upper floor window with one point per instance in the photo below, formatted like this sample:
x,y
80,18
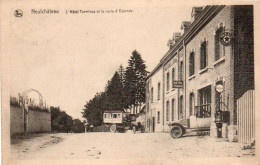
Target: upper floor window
x,y
181,70
159,91
219,48
168,81
191,64
203,55
152,95
173,76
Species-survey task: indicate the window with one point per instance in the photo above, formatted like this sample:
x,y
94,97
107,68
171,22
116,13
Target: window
x,y
191,64
158,117
167,110
181,108
168,81
203,55
159,91
173,76
105,115
114,115
219,48
173,107
191,104
152,95
181,70
203,110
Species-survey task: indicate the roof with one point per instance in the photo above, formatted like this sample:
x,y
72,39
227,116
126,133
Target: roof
x,y
207,13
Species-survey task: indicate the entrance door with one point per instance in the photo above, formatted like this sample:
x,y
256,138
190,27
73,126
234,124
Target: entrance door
x,y
153,128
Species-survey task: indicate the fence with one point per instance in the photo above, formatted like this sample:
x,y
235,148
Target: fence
x,y
246,117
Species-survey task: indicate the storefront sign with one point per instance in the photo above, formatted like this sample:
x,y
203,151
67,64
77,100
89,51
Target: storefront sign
x,y
177,84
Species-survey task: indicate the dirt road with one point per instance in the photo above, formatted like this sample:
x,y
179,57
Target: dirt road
x,y
124,146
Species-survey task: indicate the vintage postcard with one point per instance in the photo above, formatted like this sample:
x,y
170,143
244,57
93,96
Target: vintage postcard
x,y
138,82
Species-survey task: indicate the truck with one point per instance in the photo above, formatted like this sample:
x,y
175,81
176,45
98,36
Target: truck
x,y
119,121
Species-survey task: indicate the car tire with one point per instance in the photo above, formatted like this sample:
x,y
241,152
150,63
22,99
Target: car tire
x,y
176,131
113,128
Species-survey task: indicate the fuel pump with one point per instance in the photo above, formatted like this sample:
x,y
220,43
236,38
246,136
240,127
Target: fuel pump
x,y
219,112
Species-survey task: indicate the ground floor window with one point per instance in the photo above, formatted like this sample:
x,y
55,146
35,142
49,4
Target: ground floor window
x,y
167,110
173,107
181,107
192,101
158,117
203,109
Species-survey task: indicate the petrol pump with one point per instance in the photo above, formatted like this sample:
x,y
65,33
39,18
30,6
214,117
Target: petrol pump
x,y
219,112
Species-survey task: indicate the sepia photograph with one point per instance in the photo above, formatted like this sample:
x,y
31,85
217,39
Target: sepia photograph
x,y
129,83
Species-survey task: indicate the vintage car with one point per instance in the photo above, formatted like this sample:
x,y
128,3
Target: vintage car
x,y
200,122
118,120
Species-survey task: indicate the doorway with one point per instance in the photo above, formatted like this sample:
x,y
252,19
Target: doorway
x,y
153,126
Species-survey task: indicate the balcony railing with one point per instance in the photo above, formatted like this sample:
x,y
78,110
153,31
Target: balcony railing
x,y
203,110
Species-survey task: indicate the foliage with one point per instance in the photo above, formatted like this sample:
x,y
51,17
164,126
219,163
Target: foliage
x,y
114,94
94,108
78,126
135,76
60,120
125,89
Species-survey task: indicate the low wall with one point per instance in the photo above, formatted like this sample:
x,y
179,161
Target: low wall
x,y
37,121
16,120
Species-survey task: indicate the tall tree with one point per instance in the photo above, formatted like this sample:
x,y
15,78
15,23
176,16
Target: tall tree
x,y
94,108
135,76
121,72
114,93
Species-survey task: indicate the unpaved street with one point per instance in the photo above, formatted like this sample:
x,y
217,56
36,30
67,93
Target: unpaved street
x,y
123,146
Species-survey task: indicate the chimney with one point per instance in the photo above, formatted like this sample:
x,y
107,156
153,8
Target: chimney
x,y
185,26
176,37
170,44
196,12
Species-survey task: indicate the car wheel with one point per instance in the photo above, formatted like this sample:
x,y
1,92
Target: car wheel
x,y
176,131
113,128
122,130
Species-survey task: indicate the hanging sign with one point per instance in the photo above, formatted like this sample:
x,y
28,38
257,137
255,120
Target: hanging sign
x,y
226,38
177,84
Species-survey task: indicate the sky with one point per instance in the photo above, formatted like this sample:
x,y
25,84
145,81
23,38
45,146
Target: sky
x,y
69,58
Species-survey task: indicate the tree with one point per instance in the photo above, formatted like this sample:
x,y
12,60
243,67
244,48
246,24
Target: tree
x,y
135,76
94,108
60,120
121,72
114,93
78,126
